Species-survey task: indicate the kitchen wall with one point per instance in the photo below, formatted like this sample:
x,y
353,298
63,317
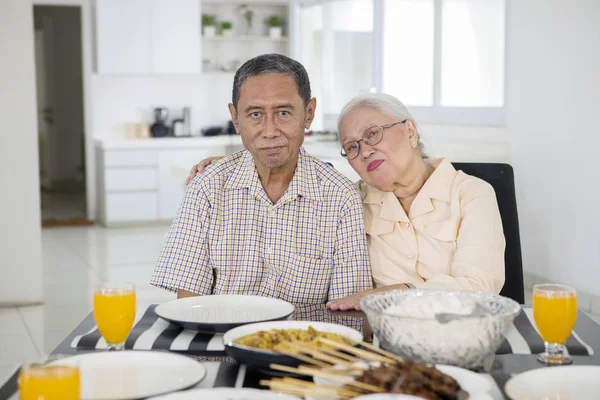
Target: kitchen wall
x,y
20,236
130,99
553,97
551,138
553,103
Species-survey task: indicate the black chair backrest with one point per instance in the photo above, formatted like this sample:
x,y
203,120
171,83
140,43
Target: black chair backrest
x,y
502,179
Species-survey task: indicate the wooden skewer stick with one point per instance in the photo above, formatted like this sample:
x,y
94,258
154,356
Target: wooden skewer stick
x,y
300,382
381,351
335,353
368,355
322,356
306,390
306,359
334,377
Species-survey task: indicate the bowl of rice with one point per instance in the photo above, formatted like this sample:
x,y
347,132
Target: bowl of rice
x,y
404,322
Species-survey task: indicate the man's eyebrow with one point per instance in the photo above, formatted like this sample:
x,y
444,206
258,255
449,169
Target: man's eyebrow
x,y
252,107
286,105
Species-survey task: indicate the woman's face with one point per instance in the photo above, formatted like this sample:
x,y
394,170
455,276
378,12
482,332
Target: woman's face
x,y
383,165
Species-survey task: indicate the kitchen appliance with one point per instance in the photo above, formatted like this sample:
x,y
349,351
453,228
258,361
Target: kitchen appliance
x,y
159,128
212,131
181,126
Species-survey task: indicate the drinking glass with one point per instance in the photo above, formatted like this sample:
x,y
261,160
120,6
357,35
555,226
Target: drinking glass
x,y
114,312
53,379
555,313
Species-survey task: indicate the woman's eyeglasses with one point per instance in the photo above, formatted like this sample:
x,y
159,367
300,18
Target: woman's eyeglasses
x,y
371,137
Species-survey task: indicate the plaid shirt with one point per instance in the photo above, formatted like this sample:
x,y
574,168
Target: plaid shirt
x,y
229,238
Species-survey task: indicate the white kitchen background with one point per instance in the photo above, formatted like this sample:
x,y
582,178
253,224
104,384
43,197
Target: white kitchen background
x,y
531,95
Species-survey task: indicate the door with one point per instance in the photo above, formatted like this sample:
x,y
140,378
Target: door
x,y
45,114
336,45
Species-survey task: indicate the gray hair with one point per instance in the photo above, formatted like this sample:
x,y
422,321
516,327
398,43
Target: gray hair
x,y
272,64
386,104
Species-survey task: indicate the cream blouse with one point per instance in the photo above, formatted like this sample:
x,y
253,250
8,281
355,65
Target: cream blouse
x,y
452,237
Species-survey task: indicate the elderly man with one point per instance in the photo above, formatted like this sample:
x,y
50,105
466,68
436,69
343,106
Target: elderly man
x,y
270,220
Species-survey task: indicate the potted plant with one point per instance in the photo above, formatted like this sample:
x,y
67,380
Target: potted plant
x,y
274,23
208,25
227,28
247,12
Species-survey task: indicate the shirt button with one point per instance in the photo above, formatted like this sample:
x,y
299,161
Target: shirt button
x,y
410,255
406,225
269,250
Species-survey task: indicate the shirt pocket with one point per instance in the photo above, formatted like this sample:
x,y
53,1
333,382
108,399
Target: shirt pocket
x,y
444,234
305,280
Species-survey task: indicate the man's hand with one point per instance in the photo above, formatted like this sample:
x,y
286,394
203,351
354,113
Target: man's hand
x,y
200,167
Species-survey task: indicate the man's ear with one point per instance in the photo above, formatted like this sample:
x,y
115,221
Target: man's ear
x,y
310,113
234,118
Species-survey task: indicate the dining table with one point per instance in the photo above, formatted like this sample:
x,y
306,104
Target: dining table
x,y
517,354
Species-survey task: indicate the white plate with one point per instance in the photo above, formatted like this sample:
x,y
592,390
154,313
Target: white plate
x,y
387,396
221,313
571,382
263,358
478,386
390,396
119,375
227,394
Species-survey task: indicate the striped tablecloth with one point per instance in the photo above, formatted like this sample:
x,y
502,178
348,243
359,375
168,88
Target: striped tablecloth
x,y
154,333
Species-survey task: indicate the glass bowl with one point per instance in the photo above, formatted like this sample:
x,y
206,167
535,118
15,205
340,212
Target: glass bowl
x,y
404,323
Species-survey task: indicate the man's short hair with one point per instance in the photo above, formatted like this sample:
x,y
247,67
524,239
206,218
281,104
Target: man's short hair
x,y
272,64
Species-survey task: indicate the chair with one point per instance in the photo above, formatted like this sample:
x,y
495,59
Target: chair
x,y
502,179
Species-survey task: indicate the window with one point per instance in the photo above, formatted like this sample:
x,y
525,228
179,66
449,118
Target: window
x,y
445,58
335,36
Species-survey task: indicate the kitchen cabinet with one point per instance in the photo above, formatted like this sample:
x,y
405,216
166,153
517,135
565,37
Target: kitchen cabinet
x,y
142,181
123,37
172,166
137,37
175,33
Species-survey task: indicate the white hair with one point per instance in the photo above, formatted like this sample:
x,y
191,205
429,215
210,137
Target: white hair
x,y
386,104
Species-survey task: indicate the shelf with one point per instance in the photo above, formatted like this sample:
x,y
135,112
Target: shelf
x,y
245,39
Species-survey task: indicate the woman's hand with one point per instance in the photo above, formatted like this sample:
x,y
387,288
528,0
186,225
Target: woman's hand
x,y
351,302
200,167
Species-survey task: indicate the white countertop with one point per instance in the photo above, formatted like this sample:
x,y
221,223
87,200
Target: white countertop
x,y
313,146
169,143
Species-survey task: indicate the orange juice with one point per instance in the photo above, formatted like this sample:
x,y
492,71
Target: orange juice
x,y
555,315
114,311
49,382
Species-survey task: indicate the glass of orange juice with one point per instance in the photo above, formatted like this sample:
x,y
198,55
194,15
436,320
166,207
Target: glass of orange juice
x,y
50,380
114,312
555,313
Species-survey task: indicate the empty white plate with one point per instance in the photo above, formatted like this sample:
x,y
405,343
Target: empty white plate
x,y
227,394
120,375
572,382
221,313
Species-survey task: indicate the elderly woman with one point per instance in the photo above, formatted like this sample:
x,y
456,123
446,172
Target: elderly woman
x,y
427,225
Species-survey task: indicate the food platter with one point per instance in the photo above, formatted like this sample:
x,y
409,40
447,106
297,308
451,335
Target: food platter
x,y
262,357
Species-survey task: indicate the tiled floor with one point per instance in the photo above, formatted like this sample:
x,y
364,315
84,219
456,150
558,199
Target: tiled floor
x,y
74,259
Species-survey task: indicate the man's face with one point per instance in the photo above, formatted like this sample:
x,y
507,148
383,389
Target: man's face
x,y
271,118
